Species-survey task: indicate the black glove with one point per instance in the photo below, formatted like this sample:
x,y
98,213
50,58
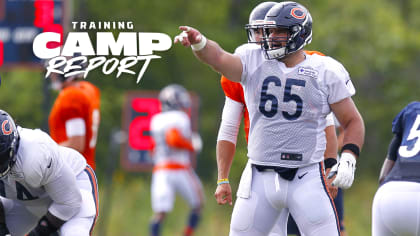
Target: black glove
x,y
4,231
44,228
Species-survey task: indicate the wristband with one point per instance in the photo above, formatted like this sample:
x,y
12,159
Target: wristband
x,y
352,147
200,45
330,162
222,181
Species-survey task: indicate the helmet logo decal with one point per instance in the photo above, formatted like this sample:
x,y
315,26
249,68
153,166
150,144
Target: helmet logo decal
x,y
298,13
3,128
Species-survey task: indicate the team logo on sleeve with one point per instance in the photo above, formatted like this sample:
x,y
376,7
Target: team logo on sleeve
x,y
308,72
6,129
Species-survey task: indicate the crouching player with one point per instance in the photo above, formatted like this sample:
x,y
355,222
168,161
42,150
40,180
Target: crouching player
x,y
45,188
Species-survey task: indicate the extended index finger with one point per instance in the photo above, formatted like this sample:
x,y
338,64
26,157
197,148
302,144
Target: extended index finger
x,y
185,28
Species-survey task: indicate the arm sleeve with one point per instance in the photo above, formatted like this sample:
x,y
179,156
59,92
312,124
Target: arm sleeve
x,y
175,139
231,120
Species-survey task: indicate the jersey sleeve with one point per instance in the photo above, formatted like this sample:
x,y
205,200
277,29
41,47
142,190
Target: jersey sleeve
x,y
246,53
398,122
232,90
41,167
338,81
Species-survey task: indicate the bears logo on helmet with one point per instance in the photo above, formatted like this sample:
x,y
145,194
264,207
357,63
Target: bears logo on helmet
x,y
289,17
9,143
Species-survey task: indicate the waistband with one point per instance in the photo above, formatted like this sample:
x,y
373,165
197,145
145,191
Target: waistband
x,y
170,166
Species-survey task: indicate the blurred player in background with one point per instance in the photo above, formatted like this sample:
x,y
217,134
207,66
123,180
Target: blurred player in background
x,y
172,173
233,111
396,205
75,115
44,187
288,97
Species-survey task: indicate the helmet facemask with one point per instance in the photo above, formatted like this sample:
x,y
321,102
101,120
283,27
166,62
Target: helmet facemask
x,y
276,41
255,31
7,160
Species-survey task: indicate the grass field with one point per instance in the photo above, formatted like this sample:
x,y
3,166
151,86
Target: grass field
x,y
129,210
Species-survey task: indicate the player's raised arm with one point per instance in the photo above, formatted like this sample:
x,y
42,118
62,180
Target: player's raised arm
x,y
209,52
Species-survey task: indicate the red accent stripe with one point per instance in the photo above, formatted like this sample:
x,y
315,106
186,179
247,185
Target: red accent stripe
x,y
324,183
170,166
1,53
92,178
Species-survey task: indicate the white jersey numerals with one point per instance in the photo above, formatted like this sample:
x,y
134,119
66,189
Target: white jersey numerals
x,y
414,134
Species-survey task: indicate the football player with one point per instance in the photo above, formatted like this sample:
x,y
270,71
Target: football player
x,y
235,108
75,116
172,172
44,187
288,95
396,206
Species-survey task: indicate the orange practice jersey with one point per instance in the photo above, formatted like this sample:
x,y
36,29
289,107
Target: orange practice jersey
x,y
78,101
234,91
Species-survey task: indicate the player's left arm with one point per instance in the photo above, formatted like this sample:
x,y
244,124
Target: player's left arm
x,y
352,122
354,132
391,157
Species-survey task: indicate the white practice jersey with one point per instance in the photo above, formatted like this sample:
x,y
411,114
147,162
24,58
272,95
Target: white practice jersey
x,y
287,106
41,175
159,126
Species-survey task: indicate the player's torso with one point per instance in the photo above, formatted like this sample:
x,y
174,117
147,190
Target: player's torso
x,y
160,124
407,165
287,109
38,161
77,102
234,91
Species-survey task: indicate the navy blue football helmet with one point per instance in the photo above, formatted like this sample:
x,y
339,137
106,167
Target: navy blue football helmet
x,y
9,143
174,97
256,20
290,17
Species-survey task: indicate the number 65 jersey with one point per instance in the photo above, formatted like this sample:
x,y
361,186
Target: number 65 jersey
x,y
288,105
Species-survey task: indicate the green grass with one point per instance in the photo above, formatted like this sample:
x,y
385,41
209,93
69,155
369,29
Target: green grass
x,y
130,210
